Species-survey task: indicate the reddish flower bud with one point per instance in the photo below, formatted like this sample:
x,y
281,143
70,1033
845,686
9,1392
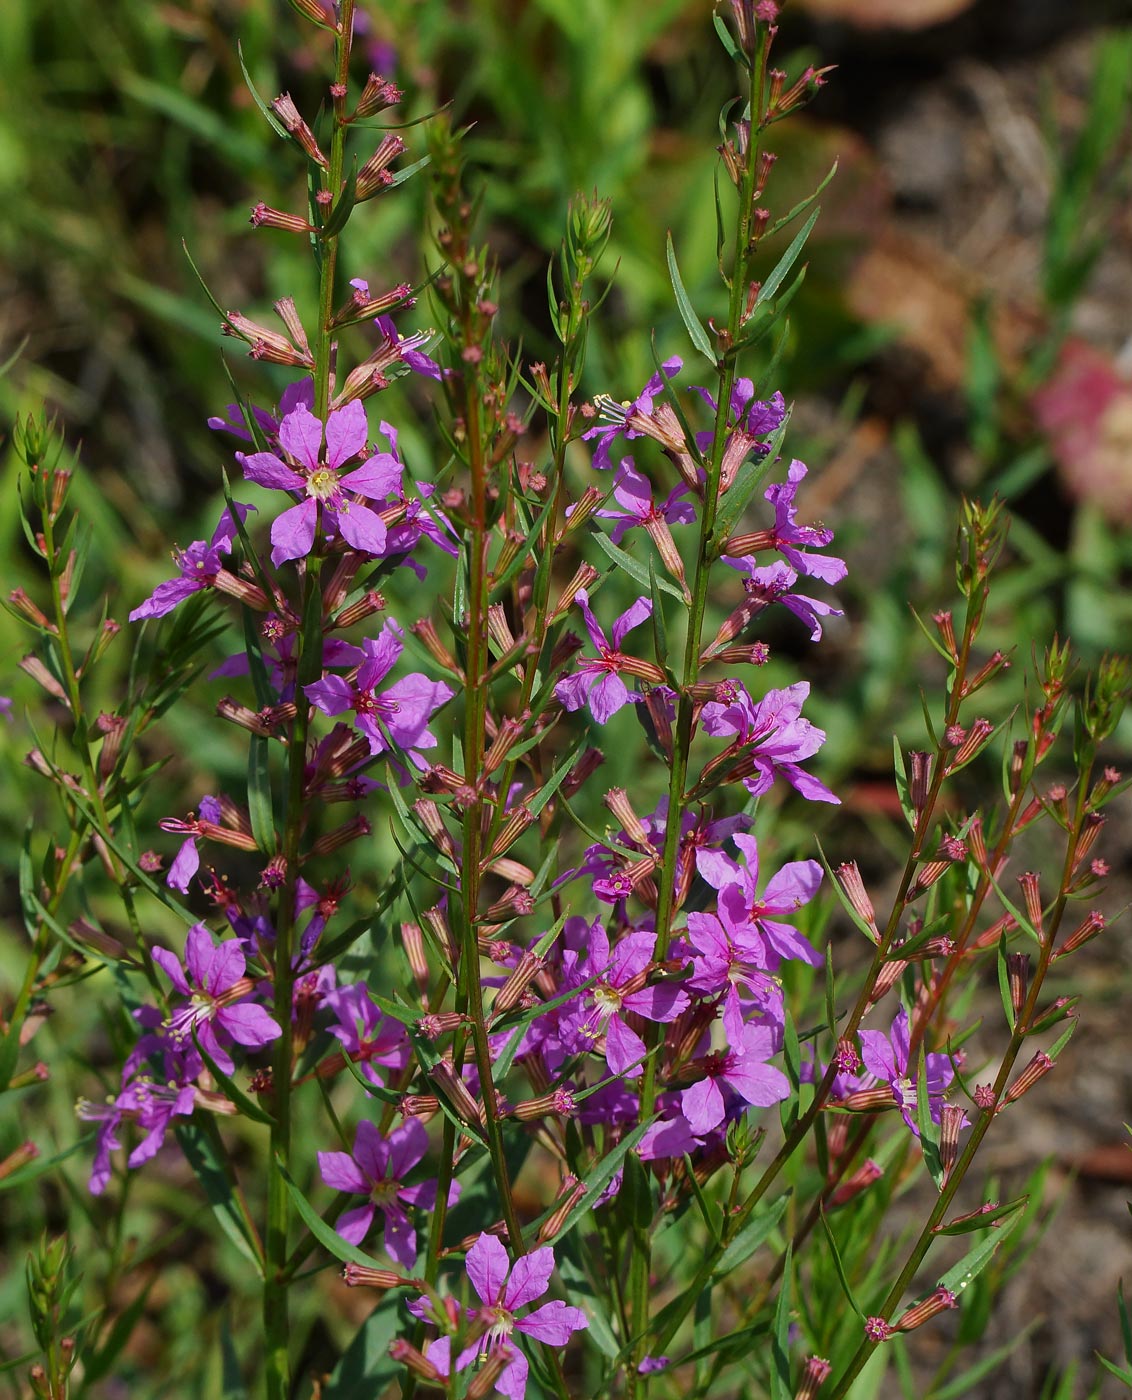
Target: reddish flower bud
x,y
940,1301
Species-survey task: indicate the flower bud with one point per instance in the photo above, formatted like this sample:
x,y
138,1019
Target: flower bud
x,y
941,1300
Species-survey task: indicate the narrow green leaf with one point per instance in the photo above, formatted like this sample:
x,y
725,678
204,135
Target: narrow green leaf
x,y
659,626
39,1166
366,1369
325,1234
687,311
200,1146
557,778
903,790
581,1291
231,1378
972,1264
98,1365
929,1130
259,793
830,1004
843,899
780,1388
247,1106
982,1222
633,567
751,476
1125,1324
734,52
268,113
787,260
407,172
801,206
750,1237
835,1253
602,1174
1004,982
343,207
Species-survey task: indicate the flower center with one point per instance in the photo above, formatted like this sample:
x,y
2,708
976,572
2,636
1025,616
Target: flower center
x,y
502,1325
382,1192
322,484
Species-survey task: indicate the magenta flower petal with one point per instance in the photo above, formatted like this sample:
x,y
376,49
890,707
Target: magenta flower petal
x,y
353,1225
265,469
607,697
530,1278
206,1037
572,692
342,1173
760,1085
361,527
400,1237
381,652
553,1323
513,1381
377,477
332,695
300,434
205,963
407,1145
165,598
487,1266
624,1049
702,1106
346,432
371,1152
632,617
292,534
249,1024
170,964
185,865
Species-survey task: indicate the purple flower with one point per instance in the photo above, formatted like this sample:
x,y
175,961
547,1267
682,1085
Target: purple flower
x,y
741,1067
376,1170
781,738
186,862
151,1106
503,1290
301,438
199,565
216,986
725,956
599,681
751,420
644,417
788,535
407,348
619,989
400,714
744,913
6,707
886,1056
772,584
365,1033
299,394
633,491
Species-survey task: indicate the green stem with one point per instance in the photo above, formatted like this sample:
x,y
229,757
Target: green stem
x,y
474,741
277,1363
707,552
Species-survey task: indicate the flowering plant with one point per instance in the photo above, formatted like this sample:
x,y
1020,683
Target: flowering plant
x,y
648,1021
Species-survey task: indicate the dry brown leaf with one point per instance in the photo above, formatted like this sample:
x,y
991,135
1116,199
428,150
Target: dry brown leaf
x,y
914,286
